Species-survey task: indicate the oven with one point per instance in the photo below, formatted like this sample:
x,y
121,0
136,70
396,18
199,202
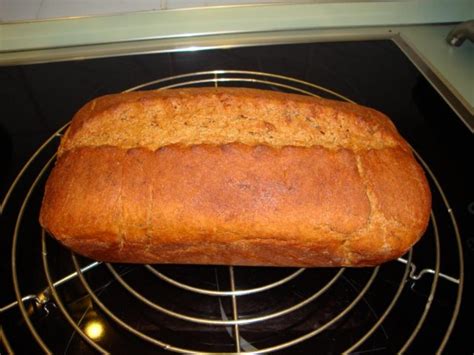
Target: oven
x,y
57,302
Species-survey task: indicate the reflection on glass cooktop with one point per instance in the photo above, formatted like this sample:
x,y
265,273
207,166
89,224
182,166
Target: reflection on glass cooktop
x,y
158,309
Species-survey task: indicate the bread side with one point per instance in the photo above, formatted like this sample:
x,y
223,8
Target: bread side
x,y
357,199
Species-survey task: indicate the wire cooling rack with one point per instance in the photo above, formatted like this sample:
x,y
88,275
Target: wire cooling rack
x,y
230,309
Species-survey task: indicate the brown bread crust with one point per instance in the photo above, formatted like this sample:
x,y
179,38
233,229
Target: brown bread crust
x,y
213,194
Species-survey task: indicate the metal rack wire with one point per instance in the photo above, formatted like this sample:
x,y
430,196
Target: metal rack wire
x,y
232,321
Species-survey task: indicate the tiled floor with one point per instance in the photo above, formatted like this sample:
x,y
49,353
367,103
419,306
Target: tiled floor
x,y
24,10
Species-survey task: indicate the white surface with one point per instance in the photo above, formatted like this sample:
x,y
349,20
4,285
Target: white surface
x,y
66,8
14,10
27,10
24,10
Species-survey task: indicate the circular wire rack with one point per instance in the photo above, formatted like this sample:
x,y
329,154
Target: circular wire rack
x,y
316,302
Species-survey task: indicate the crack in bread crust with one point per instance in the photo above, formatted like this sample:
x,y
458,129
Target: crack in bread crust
x,y
155,119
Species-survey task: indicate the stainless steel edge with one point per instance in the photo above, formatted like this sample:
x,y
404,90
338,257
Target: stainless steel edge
x,y
211,41
447,91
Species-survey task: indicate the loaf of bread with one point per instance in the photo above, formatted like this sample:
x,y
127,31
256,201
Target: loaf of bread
x,y
234,176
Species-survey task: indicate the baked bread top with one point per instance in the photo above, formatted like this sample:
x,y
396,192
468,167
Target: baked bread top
x,y
191,116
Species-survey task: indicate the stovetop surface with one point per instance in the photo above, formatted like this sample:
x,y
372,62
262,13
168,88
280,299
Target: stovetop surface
x,y
36,100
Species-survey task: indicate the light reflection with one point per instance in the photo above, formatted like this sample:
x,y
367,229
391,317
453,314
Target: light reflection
x,y
94,329
192,49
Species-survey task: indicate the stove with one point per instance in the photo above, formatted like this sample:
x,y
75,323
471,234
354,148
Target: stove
x,y
55,301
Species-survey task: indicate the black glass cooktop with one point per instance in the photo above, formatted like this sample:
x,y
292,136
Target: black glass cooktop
x,y
125,308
